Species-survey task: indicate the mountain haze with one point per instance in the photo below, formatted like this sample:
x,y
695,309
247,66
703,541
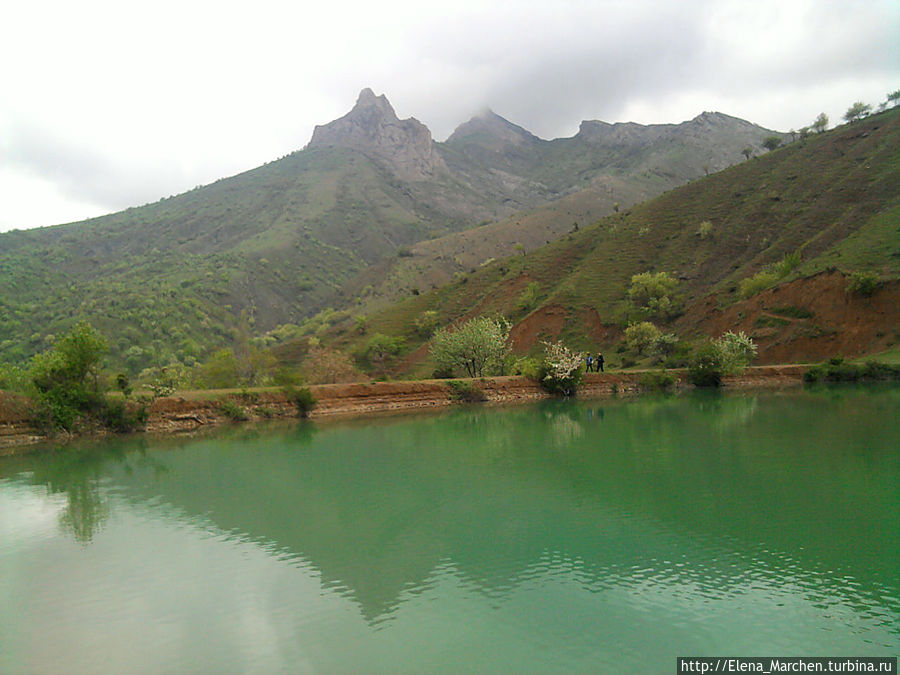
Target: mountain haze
x,y
175,279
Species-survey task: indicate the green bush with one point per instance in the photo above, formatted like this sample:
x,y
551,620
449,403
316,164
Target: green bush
x,y
529,367
736,351
657,380
863,284
232,411
653,294
641,338
769,275
66,379
562,369
466,392
529,297
302,398
836,370
124,417
706,367
757,283
426,323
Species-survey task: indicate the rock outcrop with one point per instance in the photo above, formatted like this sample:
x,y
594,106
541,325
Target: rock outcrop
x,y
372,127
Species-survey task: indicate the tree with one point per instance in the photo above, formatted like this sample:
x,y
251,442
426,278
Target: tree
x,y
561,371
66,378
652,293
893,98
821,123
771,142
426,323
747,152
479,346
727,355
640,338
736,350
857,111
381,350
220,371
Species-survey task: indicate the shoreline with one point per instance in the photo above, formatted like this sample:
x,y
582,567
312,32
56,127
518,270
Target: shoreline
x,y
192,411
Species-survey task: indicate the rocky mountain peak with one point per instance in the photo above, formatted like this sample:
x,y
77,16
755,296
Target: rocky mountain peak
x,y
372,127
489,128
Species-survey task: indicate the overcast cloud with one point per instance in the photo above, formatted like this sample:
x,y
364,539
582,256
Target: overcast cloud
x,y
106,104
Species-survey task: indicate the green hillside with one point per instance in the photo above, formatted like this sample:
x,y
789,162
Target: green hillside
x,y
332,228
816,210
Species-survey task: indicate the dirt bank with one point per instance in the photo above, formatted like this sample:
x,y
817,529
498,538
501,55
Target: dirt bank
x,y
195,410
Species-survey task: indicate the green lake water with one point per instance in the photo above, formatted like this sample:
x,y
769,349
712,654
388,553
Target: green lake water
x,y
595,536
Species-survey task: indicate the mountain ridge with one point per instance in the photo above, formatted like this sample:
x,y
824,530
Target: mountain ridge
x,y
276,244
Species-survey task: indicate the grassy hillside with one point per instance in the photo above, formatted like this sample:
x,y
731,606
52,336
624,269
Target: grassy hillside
x,y
172,278
332,227
827,203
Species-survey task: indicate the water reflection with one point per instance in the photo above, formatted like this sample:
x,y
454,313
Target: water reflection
x,y
664,507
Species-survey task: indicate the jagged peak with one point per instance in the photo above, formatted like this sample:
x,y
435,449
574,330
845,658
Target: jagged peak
x,y
487,122
368,100
372,127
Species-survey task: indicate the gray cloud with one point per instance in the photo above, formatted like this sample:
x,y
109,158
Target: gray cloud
x,y
141,122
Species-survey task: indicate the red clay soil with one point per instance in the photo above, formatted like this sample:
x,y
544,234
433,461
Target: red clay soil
x,y
181,414
832,321
543,323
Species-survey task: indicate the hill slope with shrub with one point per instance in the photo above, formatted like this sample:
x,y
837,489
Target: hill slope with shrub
x,y
800,248
173,281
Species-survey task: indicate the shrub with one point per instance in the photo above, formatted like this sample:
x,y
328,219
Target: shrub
x,y
466,392
704,230
657,380
640,338
426,323
705,368
769,275
124,417
302,398
652,294
13,378
381,351
757,283
66,379
736,350
836,370
529,297
863,284
232,411
561,371
793,311
787,264
530,368
480,346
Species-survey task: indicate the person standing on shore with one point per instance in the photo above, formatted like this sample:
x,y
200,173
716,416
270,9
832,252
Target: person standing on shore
x,y
599,362
589,360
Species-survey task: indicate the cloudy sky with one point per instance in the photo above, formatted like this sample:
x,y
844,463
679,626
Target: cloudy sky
x,y
107,104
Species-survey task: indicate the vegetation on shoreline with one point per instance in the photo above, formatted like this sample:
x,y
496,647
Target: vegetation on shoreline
x,y
838,370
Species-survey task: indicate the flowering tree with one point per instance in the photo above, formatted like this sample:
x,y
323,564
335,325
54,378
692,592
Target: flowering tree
x,y
736,350
479,346
562,372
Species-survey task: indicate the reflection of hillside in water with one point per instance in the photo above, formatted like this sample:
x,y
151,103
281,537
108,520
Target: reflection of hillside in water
x,y
740,487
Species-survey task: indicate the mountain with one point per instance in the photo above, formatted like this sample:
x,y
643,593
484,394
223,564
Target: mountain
x,y
372,127
176,279
814,216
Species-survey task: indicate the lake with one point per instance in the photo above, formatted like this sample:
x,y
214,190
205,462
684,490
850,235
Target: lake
x,y
568,536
